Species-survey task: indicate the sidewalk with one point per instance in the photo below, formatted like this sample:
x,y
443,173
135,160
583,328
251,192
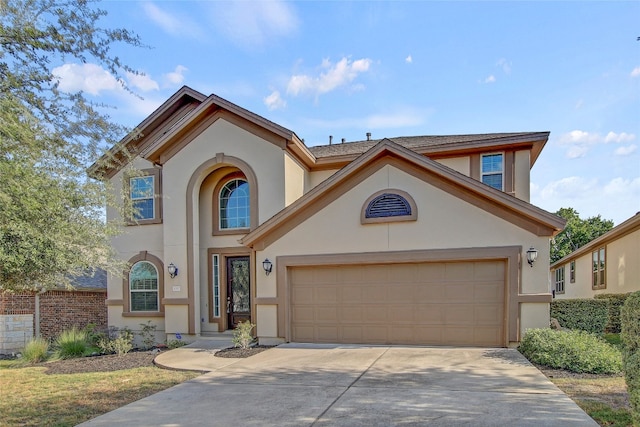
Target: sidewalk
x,y
197,356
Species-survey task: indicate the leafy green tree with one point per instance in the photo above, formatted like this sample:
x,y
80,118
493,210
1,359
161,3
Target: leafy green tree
x,y
577,233
52,223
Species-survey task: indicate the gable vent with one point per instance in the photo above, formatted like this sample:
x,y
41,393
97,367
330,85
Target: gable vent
x,y
386,205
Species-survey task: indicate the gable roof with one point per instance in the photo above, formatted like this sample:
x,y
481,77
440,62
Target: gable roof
x,y
621,230
187,112
510,208
179,118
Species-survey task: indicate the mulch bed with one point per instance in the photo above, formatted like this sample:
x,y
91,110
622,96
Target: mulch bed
x,y
131,360
240,353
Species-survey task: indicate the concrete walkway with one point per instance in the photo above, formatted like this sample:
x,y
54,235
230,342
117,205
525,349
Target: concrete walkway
x,y
341,385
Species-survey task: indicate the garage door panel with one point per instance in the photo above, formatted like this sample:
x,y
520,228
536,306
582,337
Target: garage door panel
x,y
455,303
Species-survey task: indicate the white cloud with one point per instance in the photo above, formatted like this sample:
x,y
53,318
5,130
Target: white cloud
x,y
617,199
568,188
577,151
625,150
580,142
142,82
255,23
342,73
274,101
176,77
90,78
490,79
172,23
619,137
505,65
635,72
408,59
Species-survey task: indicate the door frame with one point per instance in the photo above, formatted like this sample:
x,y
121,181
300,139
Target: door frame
x,y
229,288
224,253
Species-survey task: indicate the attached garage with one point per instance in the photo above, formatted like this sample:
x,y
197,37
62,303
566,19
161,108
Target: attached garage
x,y
425,303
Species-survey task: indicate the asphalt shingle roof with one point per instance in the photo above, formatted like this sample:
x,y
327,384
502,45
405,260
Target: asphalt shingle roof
x,y
411,142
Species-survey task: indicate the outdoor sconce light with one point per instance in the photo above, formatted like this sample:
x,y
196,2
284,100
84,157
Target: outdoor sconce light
x,y
173,270
267,265
532,255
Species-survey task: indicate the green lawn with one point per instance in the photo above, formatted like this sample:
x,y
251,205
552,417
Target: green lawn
x,y
29,397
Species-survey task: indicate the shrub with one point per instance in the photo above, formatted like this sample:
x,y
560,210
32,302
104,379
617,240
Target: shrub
x,y
614,304
148,334
71,343
630,321
588,315
242,334
576,351
117,341
36,350
171,344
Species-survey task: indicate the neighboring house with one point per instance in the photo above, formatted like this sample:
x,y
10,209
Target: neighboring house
x,y
410,240
24,315
609,264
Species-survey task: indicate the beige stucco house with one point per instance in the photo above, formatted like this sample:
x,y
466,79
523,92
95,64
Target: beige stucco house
x,y
609,264
410,240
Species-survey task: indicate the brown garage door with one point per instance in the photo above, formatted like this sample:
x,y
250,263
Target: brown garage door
x,y
445,303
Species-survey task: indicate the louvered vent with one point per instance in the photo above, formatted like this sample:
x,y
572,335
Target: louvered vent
x,y
386,205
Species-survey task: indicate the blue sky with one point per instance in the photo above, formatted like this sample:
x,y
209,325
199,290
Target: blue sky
x,y
407,68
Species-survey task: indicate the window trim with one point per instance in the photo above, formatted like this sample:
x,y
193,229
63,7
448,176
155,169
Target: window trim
x,y
502,170
599,268
572,271
413,216
559,281
157,195
216,230
158,264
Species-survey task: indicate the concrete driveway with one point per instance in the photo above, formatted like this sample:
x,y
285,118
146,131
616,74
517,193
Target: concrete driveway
x,y
340,385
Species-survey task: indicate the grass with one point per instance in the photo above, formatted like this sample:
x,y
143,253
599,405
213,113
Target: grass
x,y
32,398
604,398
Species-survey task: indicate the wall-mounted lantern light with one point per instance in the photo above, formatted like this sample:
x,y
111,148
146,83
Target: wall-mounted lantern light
x,y
173,270
267,265
532,255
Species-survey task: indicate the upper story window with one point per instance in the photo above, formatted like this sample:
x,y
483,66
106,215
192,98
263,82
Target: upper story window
x,y
144,193
560,280
143,287
491,170
599,269
234,209
142,199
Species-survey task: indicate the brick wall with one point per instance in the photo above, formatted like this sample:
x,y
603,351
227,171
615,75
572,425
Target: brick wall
x,y
60,310
24,303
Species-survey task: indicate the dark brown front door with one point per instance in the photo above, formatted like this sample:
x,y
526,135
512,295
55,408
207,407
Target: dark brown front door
x,y
238,291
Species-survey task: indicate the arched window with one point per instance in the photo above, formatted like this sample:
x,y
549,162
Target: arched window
x,y
143,287
234,205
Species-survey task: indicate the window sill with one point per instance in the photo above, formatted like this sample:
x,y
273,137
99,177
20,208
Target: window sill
x,y
231,231
144,222
143,314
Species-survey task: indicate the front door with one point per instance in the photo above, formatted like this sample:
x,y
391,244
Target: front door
x,y
238,291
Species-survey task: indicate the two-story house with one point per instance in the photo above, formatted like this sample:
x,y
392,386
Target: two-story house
x,y
409,240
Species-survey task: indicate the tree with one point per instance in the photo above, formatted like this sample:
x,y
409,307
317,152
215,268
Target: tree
x,y
52,224
577,233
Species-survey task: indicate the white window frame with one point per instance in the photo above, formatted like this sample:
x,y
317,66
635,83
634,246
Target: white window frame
x,y
220,207
152,197
490,173
215,284
156,290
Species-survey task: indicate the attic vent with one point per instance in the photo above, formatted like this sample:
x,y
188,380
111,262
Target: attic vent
x,y
388,206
